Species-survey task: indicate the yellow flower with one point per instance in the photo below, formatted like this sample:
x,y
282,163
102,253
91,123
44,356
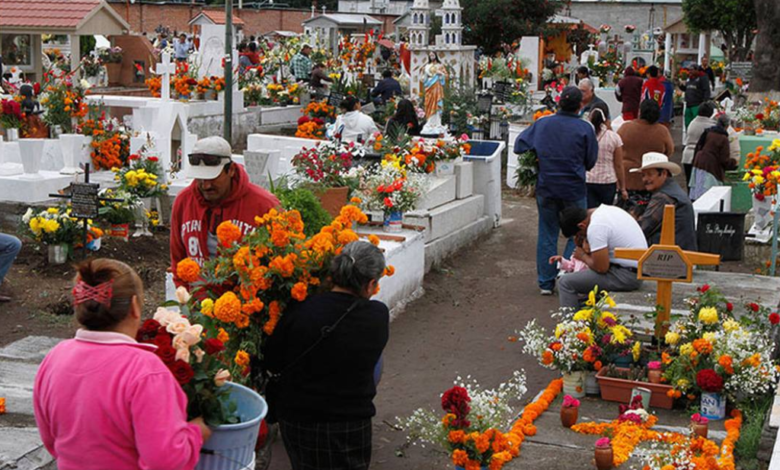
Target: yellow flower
x,y
558,331
50,226
620,334
608,299
672,338
730,325
52,210
683,383
686,349
636,351
708,315
584,315
591,298
709,336
207,307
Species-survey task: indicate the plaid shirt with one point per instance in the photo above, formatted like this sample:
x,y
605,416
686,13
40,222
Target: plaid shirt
x,y
300,66
604,170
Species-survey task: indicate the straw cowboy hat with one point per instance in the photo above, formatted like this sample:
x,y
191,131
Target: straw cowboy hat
x,y
657,160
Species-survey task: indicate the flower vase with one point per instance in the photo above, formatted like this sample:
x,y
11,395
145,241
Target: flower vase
x,y
58,254
654,376
569,415
141,218
12,134
591,384
604,458
574,384
71,145
713,406
445,168
393,222
610,79
700,429
762,213
333,199
31,153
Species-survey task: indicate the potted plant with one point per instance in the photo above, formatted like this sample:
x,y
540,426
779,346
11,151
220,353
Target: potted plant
x,y
654,372
603,454
325,168
617,384
91,67
54,228
393,191
569,411
118,214
699,425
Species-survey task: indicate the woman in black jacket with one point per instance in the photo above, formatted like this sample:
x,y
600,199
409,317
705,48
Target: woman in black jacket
x,y
404,121
321,359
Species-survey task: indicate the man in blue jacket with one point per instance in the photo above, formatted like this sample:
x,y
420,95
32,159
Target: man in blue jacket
x,y
386,89
566,147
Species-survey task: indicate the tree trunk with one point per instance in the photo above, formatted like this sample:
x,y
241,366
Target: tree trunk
x,y
766,72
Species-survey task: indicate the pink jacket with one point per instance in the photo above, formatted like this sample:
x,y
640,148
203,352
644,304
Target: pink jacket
x,y
573,265
103,401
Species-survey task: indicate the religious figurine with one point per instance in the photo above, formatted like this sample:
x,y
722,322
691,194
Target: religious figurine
x,y
435,77
34,127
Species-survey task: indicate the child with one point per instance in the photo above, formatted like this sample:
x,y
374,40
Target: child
x,y
572,265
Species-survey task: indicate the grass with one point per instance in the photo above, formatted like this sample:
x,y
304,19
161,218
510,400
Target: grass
x,y
746,448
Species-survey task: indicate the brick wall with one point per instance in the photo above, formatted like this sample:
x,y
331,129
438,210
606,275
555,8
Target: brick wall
x,y
146,17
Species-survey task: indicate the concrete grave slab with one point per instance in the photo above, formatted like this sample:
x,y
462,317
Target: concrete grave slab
x,y
16,385
447,218
442,248
464,174
21,449
441,190
31,348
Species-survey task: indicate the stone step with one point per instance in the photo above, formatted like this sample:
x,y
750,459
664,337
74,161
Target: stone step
x,y
31,348
21,449
446,246
16,385
441,190
444,220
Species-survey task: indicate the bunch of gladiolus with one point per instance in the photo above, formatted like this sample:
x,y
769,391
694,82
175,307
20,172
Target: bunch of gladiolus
x,y
243,292
198,364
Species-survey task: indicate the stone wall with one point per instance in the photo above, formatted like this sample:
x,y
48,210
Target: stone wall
x,y
618,14
144,17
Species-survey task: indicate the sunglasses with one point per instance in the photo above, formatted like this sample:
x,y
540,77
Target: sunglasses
x,y
208,160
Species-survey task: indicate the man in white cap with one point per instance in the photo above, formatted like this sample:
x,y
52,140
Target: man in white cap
x,y
301,64
658,177
220,191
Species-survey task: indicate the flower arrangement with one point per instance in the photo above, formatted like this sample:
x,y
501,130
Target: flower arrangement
x,y
240,295
605,28
55,226
117,212
110,143
390,188
698,419
629,28
583,340
312,124
91,66
762,171
327,163
11,116
63,99
196,363
570,402
110,55
542,113
141,177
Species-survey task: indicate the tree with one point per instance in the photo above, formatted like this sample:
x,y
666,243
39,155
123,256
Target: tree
x,y
734,19
766,73
489,23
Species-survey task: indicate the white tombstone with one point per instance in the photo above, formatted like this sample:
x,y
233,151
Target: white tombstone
x,y
529,51
260,164
31,152
71,145
164,124
165,69
212,50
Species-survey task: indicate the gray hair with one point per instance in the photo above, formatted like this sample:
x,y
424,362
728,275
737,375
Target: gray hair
x,y
358,264
588,83
724,121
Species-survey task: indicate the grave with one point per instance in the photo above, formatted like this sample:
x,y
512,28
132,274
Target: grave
x,y
22,178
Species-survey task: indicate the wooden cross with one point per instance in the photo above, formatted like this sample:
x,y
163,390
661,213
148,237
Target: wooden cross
x,y
666,264
165,68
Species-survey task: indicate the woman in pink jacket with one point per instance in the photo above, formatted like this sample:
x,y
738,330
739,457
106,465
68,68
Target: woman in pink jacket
x,y
104,401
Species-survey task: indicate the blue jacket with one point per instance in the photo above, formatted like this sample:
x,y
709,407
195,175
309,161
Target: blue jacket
x,y
387,88
567,148
667,107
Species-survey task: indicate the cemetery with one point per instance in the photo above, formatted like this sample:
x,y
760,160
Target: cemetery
x,y
398,134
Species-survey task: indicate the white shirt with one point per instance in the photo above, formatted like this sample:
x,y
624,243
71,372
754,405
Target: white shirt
x,y
611,227
353,124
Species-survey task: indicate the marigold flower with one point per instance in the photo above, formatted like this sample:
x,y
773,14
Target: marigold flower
x,y
2,406
374,240
389,271
242,358
228,233
223,335
188,270
460,457
708,315
227,308
299,291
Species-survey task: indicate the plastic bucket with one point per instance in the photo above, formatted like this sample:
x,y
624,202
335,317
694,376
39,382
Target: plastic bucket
x,y
232,446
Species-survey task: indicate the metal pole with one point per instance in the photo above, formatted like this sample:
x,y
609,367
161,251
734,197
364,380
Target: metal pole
x,y
228,124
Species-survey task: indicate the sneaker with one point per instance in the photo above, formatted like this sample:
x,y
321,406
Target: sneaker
x,y
546,292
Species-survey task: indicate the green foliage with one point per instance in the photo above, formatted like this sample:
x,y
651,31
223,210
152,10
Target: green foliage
x,y
754,413
304,201
527,169
86,45
735,19
490,23
460,105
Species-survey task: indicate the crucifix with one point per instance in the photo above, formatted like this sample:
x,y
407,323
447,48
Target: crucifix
x,y
165,68
665,263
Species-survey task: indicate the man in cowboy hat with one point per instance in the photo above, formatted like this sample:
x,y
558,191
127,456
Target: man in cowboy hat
x,y
658,176
221,191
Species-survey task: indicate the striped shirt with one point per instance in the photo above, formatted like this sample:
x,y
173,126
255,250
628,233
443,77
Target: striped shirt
x,y
604,171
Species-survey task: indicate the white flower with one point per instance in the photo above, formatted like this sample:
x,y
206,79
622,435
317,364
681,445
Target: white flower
x,y
178,326
182,295
85,84
27,216
183,354
163,316
199,353
192,335
221,377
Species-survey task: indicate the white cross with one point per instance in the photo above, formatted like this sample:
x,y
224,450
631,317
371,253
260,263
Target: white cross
x,y
166,68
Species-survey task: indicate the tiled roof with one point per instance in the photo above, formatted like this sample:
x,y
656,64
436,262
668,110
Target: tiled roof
x,y
57,14
218,17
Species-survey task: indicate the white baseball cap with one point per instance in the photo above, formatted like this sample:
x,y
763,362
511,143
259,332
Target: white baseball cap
x,y
208,158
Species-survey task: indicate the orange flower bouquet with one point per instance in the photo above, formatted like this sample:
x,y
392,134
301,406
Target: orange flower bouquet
x,y
240,295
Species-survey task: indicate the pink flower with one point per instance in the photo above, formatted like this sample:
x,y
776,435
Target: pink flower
x,y
699,419
603,442
654,365
464,137
570,402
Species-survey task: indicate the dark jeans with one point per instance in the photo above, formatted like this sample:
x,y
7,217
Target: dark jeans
x,y
547,239
688,171
9,248
599,194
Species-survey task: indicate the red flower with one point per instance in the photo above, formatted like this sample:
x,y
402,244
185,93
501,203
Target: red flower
x,y
148,331
318,121
760,196
704,288
456,401
303,120
709,381
753,306
182,372
213,346
167,353
388,202
774,318
163,338
729,306
37,89
760,116
153,159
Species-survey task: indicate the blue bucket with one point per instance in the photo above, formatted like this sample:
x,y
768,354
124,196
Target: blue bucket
x,y
232,446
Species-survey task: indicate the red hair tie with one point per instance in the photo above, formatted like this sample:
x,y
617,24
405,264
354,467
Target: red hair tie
x,y
100,293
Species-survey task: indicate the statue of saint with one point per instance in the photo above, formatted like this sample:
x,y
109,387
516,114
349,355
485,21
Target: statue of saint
x,y
435,74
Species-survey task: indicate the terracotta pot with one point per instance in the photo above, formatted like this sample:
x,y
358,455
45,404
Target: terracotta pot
x,y
569,416
654,376
619,390
333,199
114,73
604,458
700,429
